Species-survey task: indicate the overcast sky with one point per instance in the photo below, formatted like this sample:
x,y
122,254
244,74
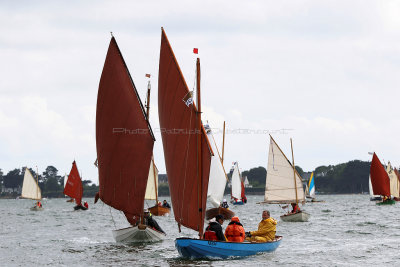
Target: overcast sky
x,y
327,70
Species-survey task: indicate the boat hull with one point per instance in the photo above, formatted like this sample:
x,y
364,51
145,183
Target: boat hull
x,y
196,248
36,208
137,234
296,217
386,202
159,211
80,207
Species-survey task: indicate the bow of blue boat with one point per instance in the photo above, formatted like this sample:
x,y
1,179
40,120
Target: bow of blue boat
x,y
196,248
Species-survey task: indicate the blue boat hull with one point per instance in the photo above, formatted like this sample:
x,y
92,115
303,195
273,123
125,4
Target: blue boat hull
x,y
196,248
238,203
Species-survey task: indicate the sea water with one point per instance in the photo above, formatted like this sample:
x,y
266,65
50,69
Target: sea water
x,y
345,230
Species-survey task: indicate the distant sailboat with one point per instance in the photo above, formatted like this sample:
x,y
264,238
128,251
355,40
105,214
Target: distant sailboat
x,y
31,190
310,190
188,156
283,183
380,180
217,181
74,188
124,142
237,195
394,182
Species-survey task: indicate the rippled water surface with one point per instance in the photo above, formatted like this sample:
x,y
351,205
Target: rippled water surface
x,y
344,230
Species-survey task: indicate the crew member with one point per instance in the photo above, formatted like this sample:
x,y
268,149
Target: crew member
x,y
266,229
148,219
234,232
165,204
214,229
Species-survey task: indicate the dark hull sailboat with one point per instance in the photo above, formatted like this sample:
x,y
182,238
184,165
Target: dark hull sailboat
x,y
73,188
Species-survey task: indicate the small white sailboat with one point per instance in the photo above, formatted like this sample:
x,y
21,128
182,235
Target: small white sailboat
x,y
310,190
237,193
283,183
31,190
217,181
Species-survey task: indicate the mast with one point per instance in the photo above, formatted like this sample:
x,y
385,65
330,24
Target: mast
x,y
294,172
148,100
199,145
223,145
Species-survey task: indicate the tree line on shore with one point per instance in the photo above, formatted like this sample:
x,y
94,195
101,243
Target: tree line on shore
x,y
344,178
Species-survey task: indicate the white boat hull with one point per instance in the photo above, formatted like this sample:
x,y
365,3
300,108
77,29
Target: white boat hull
x,y
136,235
296,217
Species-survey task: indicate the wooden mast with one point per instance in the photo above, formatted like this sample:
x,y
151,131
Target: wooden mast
x,y
199,145
223,144
294,172
152,157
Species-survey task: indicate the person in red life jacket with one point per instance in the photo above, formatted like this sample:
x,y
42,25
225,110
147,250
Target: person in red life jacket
x,y
214,229
244,199
295,208
86,205
39,204
234,232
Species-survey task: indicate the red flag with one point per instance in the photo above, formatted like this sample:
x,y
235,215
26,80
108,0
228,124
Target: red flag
x,y
148,75
195,50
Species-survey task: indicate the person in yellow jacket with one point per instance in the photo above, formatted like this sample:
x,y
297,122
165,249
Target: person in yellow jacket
x,y
266,229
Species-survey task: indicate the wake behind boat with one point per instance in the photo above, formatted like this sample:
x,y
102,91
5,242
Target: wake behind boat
x,y
188,160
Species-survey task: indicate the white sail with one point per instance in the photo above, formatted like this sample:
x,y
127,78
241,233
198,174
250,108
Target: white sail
x,y
30,189
236,182
217,177
65,180
394,181
152,182
371,191
280,183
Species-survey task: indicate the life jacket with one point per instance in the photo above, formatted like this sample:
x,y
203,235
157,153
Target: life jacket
x,y
210,235
234,231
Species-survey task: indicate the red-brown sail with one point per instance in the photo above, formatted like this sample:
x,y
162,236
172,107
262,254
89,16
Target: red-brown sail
x,y
242,193
179,131
73,188
123,137
379,177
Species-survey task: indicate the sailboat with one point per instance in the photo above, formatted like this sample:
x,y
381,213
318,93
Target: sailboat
x,y
188,154
380,180
394,182
65,183
237,193
217,181
31,190
310,190
152,180
74,188
283,183
124,142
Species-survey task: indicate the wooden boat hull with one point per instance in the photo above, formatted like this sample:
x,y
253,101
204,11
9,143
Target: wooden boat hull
x,y
137,234
296,217
386,202
70,200
211,213
159,211
36,208
196,248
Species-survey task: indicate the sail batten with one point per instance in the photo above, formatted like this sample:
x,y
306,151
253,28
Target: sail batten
x,y
280,186
179,131
124,138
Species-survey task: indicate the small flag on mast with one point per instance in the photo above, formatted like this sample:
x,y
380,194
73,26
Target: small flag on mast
x,y
195,50
148,75
188,99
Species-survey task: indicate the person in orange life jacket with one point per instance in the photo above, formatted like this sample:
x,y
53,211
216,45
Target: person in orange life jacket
x,y
86,205
295,208
214,229
234,232
148,219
